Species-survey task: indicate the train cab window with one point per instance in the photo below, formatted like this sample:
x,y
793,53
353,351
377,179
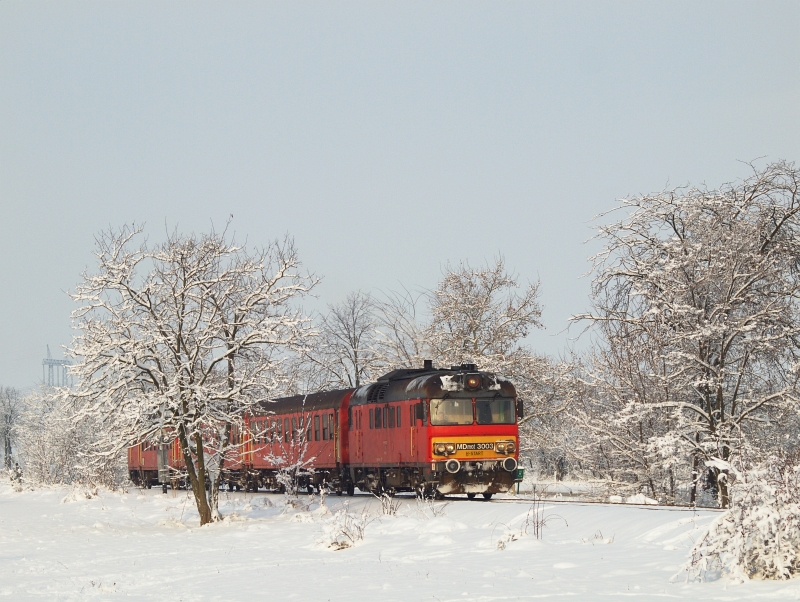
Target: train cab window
x,y
496,411
451,411
390,411
372,419
399,414
316,429
411,420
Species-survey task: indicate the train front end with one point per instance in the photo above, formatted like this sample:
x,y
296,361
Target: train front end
x,y
473,433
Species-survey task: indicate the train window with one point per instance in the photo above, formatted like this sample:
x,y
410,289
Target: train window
x,y
308,428
349,418
371,419
385,412
451,411
331,423
411,420
286,431
399,413
316,429
325,433
496,411
390,411
378,418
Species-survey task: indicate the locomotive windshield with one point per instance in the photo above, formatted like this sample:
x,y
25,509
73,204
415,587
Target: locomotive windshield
x,y
459,411
451,411
495,411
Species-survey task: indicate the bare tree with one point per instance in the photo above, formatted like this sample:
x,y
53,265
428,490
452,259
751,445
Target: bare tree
x,y
400,340
179,339
696,306
10,408
343,355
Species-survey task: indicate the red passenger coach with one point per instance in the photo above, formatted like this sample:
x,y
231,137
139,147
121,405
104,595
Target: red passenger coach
x,y
305,434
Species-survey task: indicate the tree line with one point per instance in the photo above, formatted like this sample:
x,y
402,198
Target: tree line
x,y
690,366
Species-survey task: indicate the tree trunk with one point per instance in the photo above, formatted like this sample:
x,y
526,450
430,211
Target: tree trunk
x,y
215,482
197,480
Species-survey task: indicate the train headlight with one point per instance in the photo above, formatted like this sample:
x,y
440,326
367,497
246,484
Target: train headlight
x,y
511,447
451,448
452,466
500,447
440,449
473,381
510,464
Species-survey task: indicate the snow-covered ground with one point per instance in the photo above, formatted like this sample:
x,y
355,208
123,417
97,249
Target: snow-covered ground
x,y
145,545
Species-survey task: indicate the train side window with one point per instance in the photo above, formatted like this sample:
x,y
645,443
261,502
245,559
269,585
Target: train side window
x,y
349,418
378,418
325,432
331,426
399,414
308,428
358,420
316,429
411,415
372,419
390,411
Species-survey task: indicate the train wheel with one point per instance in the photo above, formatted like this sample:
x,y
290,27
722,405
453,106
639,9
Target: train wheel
x,y
487,496
470,496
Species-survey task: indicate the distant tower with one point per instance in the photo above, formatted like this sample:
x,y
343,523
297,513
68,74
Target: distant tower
x,y
56,371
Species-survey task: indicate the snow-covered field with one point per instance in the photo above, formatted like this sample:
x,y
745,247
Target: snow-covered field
x,y
143,545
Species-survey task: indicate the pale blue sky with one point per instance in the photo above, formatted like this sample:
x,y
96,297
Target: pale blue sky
x,y
387,138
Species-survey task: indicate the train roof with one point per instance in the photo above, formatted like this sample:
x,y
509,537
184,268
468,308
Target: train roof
x,y
429,382
324,400
400,385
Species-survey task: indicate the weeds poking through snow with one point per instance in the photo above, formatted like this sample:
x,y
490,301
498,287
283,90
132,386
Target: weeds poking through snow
x,y
389,505
427,508
536,520
598,538
346,529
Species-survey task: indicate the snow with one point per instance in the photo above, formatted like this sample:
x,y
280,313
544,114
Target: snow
x,y
60,544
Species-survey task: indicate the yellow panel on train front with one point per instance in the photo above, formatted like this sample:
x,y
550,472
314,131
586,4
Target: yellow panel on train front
x,y
474,447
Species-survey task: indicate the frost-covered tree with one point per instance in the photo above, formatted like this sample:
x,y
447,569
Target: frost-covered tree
x,y
343,352
179,339
55,449
478,316
401,340
10,407
695,302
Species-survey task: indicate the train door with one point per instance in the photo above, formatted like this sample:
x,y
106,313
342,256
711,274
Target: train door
x,y
412,428
360,437
337,444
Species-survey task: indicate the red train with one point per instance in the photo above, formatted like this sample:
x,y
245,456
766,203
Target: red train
x,y
433,431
